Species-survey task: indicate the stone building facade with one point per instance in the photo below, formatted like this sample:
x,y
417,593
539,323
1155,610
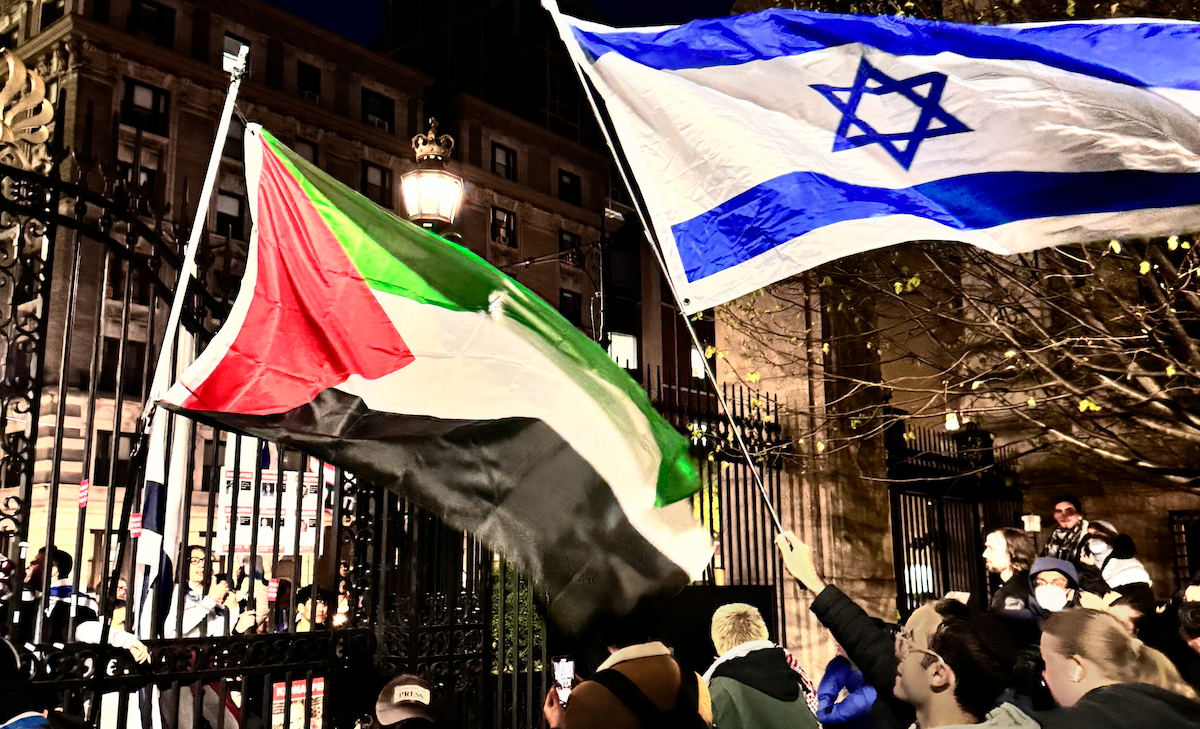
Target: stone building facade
x,y
140,85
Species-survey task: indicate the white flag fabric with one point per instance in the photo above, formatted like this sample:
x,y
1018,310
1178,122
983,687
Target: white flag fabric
x,y
770,143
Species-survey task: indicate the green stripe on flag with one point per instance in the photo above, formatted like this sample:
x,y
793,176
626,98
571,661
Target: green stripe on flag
x,y
397,257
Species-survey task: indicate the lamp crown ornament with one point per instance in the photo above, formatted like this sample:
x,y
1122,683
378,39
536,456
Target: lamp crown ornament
x,y
430,145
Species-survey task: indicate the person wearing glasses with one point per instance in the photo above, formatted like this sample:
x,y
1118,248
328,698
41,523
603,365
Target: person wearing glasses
x,y
868,645
953,667
1069,538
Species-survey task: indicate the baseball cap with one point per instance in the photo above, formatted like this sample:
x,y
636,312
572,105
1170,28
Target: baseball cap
x,y
405,697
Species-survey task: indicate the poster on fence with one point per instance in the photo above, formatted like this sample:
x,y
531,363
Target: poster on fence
x,y
298,699
276,517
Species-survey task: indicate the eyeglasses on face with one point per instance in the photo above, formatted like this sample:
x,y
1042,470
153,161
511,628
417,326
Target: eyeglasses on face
x,y
906,643
1055,581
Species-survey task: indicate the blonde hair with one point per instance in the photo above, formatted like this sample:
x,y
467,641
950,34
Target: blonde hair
x,y
737,623
1106,642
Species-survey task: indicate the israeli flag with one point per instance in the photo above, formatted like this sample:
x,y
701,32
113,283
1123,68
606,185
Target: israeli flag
x,y
770,143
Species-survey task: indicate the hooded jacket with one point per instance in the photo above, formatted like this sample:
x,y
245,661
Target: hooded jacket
x,y
1004,716
1126,705
853,712
757,689
871,648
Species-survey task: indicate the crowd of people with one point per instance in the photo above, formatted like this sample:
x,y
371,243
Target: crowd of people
x,y
1071,638
208,603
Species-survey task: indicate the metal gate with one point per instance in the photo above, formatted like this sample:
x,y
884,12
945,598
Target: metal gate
x,y
88,261
946,488
729,502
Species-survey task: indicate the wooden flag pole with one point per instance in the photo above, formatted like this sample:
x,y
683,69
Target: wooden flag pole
x,y
158,384
644,217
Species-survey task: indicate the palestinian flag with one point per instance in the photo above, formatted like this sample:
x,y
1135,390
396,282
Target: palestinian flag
x,y
369,342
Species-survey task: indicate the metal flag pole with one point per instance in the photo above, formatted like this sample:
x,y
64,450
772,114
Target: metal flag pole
x,y
643,216
158,384
163,367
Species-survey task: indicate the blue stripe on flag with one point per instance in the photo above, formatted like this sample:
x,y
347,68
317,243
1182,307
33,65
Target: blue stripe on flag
x,y
775,212
1154,54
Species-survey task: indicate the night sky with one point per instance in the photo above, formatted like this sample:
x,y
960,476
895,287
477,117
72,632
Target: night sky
x,y
359,20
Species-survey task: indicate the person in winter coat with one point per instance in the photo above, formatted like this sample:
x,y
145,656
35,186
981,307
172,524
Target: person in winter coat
x,y
1104,678
639,685
871,647
1066,542
1009,553
1055,585
954,671
852,712
751,684
1113,554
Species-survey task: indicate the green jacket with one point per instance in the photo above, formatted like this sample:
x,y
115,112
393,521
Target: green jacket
x,y
759,691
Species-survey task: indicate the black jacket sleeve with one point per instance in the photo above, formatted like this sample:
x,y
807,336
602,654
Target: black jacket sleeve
x,y
870,647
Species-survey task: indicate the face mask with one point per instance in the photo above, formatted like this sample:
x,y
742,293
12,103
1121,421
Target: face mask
x,y
1051,597
1099,547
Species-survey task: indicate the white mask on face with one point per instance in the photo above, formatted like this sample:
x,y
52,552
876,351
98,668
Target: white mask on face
x,y
1051,597
1099,548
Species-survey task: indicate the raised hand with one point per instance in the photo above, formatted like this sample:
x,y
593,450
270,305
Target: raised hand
x,y
797,557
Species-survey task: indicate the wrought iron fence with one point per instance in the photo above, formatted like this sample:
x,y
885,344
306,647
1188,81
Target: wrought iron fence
x,y
241,583
729,501
946,488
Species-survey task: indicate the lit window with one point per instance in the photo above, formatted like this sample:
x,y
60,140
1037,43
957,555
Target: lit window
x,y
230,215
697,364
377,184
504,162
623,348
504,227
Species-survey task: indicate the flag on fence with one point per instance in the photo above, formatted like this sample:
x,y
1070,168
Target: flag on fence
x,y
767,144
371,343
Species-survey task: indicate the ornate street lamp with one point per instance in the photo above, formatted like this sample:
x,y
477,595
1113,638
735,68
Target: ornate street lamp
x,y
432,195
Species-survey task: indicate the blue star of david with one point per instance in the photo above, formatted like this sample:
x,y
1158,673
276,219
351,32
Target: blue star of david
x,y
901,145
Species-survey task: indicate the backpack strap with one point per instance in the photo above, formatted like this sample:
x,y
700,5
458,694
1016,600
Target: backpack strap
x,y
629,694
687,703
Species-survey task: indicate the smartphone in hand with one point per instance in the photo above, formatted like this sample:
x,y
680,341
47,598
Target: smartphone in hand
x,y
564,677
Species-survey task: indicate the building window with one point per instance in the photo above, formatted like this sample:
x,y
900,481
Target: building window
x,y
135,366
308,82
504,162
568,246
233,47
104,458
230,215
234,140
378,110
377,184
153,22
569,188
145,108
118,274
306,149
697,364
504,227
9,38
146,170
52,10
623,348
570,305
